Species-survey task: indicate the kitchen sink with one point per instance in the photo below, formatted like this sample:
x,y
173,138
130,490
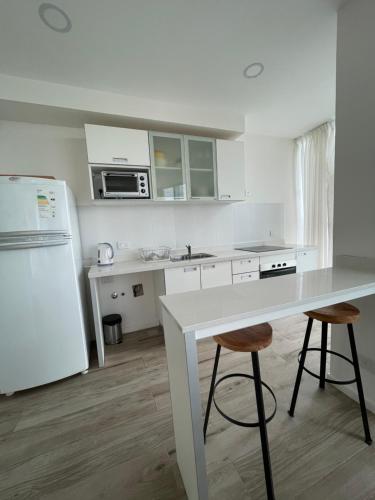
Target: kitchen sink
x,y
186,256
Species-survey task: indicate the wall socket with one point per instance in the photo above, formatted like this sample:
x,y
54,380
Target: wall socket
x,y
122,245
138,290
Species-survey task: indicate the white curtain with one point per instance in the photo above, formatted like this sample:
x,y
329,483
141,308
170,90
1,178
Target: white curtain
x,y
314,170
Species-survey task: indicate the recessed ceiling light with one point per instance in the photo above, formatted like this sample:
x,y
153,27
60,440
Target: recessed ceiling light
x,y
253,70
55,18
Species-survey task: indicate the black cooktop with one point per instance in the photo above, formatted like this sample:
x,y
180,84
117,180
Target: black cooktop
x,y
263,248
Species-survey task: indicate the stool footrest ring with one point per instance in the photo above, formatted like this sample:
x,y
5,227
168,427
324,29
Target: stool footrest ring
x,y
329,380
233,420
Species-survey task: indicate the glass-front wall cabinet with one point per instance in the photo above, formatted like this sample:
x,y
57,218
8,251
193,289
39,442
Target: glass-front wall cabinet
x,y
183,167
200,156
167,165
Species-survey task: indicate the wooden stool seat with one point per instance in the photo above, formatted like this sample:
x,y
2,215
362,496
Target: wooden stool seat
x,y
251,339
337,314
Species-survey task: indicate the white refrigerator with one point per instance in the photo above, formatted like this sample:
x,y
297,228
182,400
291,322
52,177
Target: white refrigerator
x,y
42,332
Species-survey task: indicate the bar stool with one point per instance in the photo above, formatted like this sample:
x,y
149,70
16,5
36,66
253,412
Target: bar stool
x,y
337,314
252,339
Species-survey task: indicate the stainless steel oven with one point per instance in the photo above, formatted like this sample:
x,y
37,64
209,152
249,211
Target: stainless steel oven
x,y
278,268
128,183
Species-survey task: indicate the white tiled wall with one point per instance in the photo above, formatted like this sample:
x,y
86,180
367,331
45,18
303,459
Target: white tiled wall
x,y
175,226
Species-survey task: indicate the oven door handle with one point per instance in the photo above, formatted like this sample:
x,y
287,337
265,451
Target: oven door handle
x,y
273,273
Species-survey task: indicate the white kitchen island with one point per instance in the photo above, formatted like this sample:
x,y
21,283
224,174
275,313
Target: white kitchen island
x,y
188,317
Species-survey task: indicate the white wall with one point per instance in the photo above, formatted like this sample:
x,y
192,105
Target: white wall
x,y
354,212
60,151
270,176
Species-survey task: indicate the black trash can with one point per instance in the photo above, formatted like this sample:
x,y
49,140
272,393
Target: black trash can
x,y
112,329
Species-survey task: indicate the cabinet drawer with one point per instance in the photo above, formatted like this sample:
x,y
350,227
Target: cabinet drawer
x,y
245,265
218,274
114,145
182,279
241,278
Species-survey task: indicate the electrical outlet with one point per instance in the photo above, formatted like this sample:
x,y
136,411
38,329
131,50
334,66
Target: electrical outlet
x,y
138,290
122,245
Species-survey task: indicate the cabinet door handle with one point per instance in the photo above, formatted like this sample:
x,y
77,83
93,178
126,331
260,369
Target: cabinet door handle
x,y
120,159
222,196
209,266
190,269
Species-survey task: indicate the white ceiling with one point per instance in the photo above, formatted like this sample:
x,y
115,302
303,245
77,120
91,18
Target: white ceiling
x,y
187,51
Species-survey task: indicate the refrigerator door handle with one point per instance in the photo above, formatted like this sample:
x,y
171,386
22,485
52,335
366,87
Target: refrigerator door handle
x,y
21,234
20,245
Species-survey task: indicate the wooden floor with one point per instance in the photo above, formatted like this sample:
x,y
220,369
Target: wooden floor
x,y
109,435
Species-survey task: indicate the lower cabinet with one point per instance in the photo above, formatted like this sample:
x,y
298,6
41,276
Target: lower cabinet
x,y
218,274
243,277
307,260
182,279
195,277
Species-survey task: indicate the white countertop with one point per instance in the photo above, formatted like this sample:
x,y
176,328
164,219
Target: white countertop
x,y
209,311
139,266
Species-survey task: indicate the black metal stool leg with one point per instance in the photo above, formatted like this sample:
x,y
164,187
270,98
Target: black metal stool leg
x,y
361,396
262,426
212,388
323,356
300,367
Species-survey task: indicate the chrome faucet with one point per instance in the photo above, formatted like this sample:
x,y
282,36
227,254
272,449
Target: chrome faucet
x,y
189,251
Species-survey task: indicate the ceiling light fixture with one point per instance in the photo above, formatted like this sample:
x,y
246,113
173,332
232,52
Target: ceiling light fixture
x,y
55,18
253,70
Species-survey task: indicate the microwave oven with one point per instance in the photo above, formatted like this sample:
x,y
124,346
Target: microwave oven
x,y
126,184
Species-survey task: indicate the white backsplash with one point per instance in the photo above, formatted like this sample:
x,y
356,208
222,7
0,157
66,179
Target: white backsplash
x,y
176,225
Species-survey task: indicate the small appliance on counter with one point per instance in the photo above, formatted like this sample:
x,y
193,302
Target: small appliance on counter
x,y
105,254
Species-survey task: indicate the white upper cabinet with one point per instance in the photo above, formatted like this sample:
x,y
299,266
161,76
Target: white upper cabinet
x,y
182,167
230,170
117,146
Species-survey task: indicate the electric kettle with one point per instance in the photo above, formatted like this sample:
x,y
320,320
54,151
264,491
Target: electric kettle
x,y
105,254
